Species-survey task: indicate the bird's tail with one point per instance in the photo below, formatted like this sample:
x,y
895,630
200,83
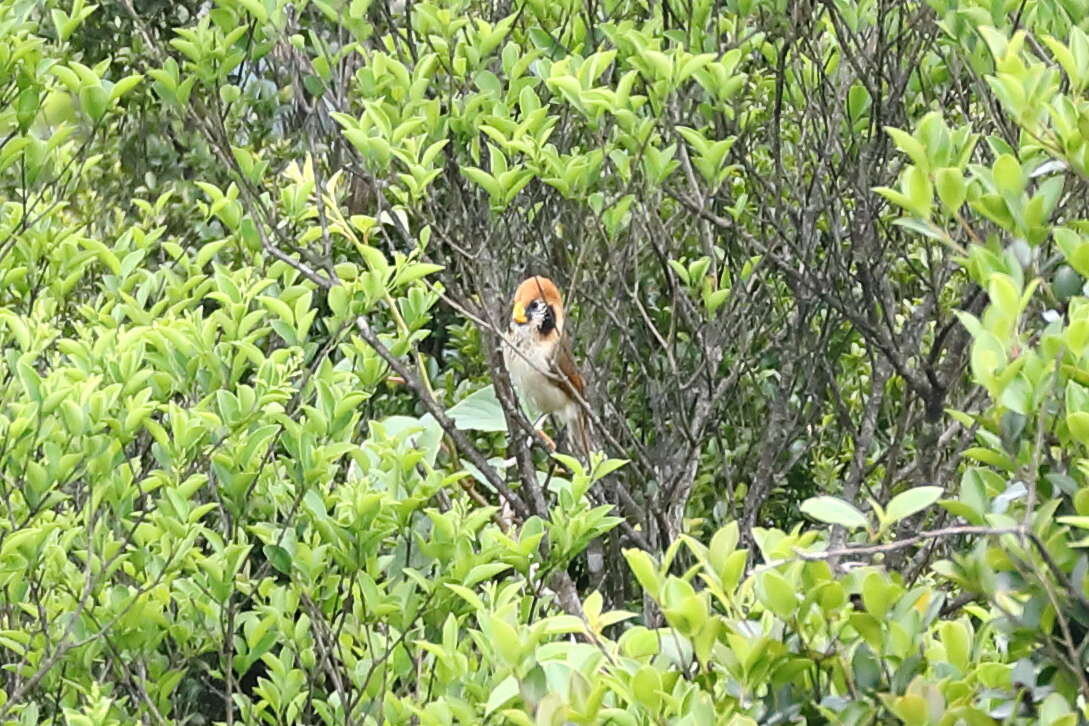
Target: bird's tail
x,y
578,432
579,436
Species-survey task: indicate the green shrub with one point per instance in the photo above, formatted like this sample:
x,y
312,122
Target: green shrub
x,y
826,270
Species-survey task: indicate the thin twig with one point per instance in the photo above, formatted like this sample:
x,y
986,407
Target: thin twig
x,y
436,411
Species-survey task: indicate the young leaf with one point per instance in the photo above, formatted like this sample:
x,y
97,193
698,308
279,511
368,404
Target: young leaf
x,y
832,510
910,146
952,189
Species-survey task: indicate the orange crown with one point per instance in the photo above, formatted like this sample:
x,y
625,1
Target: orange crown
x,y
537,288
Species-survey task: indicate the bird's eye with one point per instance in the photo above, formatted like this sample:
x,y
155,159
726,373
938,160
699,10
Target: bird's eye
x,y
532,307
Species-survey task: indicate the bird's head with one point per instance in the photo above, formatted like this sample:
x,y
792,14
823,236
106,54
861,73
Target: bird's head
x,y
537,303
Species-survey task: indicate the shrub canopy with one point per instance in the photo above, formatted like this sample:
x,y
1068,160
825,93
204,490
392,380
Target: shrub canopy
x,y
824,266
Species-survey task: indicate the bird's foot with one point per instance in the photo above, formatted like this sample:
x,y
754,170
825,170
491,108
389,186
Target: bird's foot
x,y
547,440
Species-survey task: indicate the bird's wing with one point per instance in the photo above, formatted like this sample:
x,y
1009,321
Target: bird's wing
x,y
574,416
564,368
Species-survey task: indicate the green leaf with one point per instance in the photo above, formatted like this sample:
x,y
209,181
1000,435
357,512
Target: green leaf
x,y
988,356
487,82
479,411
519,718
483,179
1004,295
569,88
484,571
279,558
733,569
1008,176
501,695
256,9
921,226
373,257
125,85
103,253
832,510
777,594
958,644
1078,423
504,639
415,271
467,595
911,709
1079,521
693,64
95,102
894,196
723,544
877,595
867,670
660,63
907,503
918,189
910,146
277,307
952,189
32,382
645,571
26,107
646,685
1074,248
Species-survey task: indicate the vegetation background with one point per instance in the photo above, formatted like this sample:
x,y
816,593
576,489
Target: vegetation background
x,y
824,263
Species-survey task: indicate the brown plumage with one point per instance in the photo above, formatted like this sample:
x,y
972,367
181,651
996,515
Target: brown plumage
x,y
538,357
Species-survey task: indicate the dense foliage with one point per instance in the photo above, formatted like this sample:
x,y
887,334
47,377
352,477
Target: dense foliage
x,y
825,267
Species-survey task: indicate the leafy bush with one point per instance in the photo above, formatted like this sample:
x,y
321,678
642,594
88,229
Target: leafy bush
x,y
260,463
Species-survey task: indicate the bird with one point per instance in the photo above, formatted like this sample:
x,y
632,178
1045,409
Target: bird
x,y
538,357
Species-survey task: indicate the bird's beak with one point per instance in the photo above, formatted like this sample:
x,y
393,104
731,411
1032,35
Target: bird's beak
x,y
519,313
